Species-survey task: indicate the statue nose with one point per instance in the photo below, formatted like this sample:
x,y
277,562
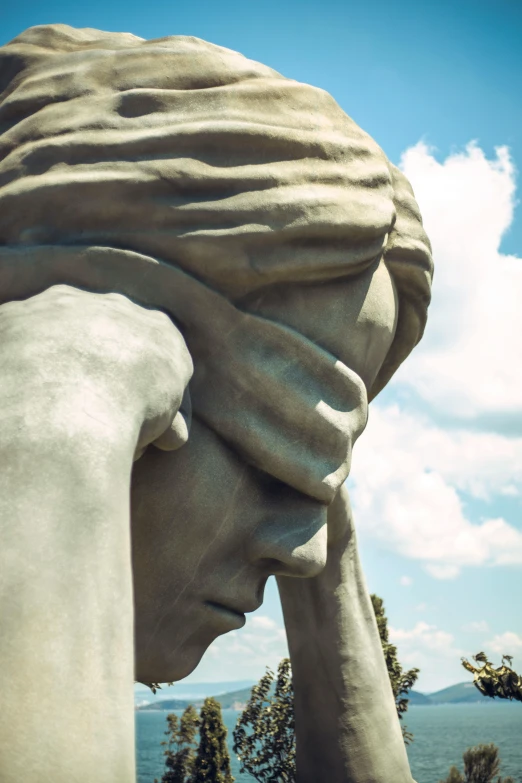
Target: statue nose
x,y
292,544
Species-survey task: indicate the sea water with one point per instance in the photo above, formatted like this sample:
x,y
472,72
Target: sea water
x,y
441,735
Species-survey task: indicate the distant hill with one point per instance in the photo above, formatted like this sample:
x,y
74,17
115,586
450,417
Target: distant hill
x,y
240,697
235,692
188,690
165,704
227,700
414,697
462,693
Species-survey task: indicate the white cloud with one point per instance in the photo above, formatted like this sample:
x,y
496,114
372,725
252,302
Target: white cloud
x,y
510,491
476,626
508,643
406,581
407,478
443,570
411,476
468,364
424,636
244,654
263,622
430,649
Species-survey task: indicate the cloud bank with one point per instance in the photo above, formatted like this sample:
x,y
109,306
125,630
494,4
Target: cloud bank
x,y
432,650
407,487
412,471
468,364
246,653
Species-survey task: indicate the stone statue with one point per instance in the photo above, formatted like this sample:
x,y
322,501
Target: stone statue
x,y
207,270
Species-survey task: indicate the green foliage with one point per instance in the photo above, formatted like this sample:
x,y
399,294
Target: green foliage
x,y
454,776
179,753
267,749
501,682
481,765
212,764
402,682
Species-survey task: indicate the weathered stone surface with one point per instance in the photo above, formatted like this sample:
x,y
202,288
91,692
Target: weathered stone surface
x,y
290,256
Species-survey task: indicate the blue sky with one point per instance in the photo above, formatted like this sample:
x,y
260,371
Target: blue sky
x,y
440,534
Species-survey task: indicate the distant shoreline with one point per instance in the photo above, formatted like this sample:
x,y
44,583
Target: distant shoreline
x,y
489,702
461,693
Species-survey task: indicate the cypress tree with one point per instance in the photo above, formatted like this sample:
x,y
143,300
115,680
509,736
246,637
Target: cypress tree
x,y
212,763
264,737
179,755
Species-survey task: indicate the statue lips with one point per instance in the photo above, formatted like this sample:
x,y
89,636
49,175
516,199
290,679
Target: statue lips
x,y
231,616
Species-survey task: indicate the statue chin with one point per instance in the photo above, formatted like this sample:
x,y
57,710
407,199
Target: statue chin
x,y
172,648
155,669
169,647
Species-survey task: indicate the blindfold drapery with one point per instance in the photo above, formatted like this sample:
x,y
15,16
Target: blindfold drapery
x,y
216,177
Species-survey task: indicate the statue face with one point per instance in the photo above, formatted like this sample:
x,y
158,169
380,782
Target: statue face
x,y
207,532
208,529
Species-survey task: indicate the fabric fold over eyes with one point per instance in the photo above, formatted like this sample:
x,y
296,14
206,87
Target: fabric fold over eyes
x,y
193,154
216,177
286,405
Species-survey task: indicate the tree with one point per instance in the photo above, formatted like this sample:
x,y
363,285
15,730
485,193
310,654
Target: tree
x,y
481,765
501,682
402,682
179,753
267,751
212,764
454,776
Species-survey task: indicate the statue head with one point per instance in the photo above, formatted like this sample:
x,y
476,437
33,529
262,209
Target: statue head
x,y
279,238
